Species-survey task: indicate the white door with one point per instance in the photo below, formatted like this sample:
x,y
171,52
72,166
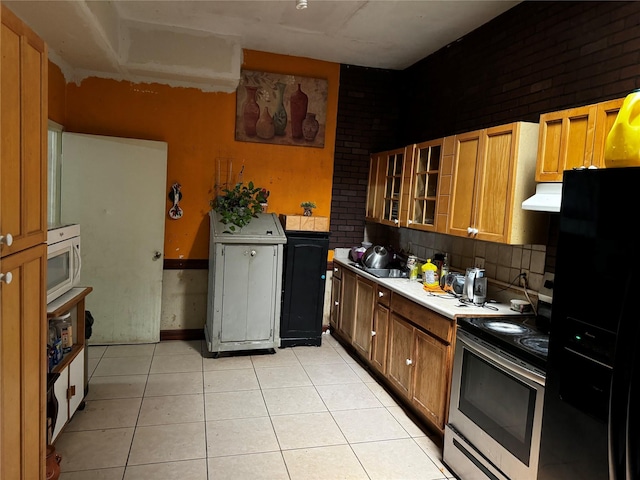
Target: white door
x,y
115,189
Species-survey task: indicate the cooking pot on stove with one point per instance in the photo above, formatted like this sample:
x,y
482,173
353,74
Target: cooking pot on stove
x,y
375,257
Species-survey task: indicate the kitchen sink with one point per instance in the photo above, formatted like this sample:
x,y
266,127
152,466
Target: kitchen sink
x,y
382,272
386,272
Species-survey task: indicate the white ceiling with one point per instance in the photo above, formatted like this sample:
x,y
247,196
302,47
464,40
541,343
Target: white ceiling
x,y
199,43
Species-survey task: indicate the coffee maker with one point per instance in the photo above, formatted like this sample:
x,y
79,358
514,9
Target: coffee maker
x,y
475,286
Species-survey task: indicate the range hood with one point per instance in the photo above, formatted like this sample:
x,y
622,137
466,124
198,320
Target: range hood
x,y
546,199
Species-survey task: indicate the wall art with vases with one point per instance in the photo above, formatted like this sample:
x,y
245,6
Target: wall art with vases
x,y
281,109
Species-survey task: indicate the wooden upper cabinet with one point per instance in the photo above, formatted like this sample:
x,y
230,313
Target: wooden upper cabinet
x,y
606,114
386,193
493,173
574,138
424,178
23,149
468,149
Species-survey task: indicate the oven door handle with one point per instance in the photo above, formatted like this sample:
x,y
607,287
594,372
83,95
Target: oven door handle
x,y
500,360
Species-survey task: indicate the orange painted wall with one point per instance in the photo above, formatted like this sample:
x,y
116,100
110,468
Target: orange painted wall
x,y
199,130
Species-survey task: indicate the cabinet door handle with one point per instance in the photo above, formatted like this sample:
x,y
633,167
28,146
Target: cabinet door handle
x,y
6,239
408,361
71,392
409,222
337,303
253,253
373,333
335,269
396,221
469,230
380,294
6,277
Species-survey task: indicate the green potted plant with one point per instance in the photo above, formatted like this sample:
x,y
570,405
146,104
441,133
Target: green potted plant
x,y
308,206
237,206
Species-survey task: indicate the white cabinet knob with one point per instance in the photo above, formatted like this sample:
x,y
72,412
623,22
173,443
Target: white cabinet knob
x,y
253,253
469,230
409,222
335,269
380,294
396,221
337,303
373,333
6,277
475,231
6,239
408,361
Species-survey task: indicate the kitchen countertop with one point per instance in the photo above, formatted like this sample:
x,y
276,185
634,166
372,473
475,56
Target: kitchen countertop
x,y
444,304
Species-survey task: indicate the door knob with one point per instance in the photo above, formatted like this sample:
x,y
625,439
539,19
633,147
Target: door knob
x,y
6,277
6,239
157,255
408,361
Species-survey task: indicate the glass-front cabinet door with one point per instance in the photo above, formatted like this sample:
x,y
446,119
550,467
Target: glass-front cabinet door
x,y
426,166
393,184
385,195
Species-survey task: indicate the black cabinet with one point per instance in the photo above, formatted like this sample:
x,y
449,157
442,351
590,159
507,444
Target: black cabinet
x,y
305,270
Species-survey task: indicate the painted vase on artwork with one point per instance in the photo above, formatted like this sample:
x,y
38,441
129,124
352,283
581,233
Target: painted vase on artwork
x,y
250,112
310,127
299,102
280,115
265,127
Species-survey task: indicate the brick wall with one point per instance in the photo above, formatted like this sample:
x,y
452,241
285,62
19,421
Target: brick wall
x,y
537,57
368,112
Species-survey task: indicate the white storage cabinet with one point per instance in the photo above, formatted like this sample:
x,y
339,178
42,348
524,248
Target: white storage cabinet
x,y
245,285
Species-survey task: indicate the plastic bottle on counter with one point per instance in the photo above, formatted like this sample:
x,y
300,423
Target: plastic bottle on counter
x,y
622,146
430,276
444,270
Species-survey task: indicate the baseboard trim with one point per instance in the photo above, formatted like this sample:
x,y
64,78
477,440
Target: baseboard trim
x,y
189,334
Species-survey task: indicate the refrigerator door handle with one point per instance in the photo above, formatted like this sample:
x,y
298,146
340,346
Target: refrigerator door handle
x,y
619,394
633,423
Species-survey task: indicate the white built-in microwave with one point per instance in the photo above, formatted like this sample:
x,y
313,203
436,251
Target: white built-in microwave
x,y
63,260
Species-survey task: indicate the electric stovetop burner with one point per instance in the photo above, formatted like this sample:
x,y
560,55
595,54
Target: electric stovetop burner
x,y
517,335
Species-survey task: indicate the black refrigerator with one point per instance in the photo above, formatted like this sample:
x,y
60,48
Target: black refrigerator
x,y
590,423
305,270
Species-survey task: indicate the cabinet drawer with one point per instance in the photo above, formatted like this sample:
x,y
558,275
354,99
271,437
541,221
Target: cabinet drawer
x,y
425,319
383,295
337,271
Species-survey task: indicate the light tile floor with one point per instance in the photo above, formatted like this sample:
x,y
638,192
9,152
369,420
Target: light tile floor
x,y
167,411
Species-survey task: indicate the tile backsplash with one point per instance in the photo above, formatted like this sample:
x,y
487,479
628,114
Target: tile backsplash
x,y
501,262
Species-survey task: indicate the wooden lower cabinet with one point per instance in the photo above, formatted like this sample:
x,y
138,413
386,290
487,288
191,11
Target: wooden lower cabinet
x,y
22,364
336,298
432,375
379,338
420,363
410,347
365,291
348,305
401,358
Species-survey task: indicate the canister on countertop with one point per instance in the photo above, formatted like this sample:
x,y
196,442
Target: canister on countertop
x,y
430,277
412,266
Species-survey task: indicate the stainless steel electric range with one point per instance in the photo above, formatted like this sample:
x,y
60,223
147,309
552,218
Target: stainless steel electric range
x,y
497,393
